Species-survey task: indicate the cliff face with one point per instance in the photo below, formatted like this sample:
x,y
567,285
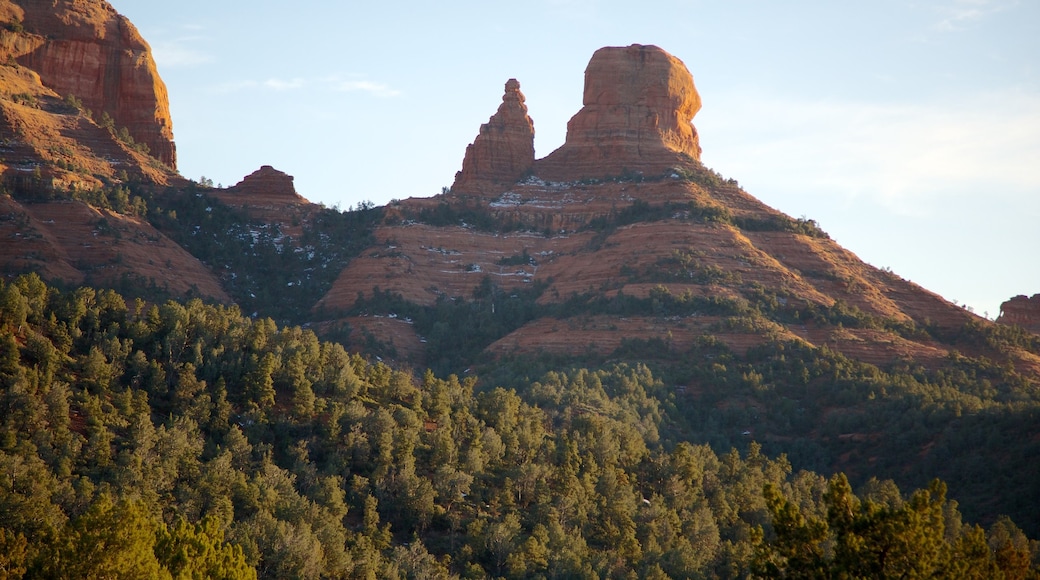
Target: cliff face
x,y
86,49
1022,311
639,104
52,145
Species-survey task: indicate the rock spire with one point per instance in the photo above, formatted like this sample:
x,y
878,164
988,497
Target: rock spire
x,y
503,150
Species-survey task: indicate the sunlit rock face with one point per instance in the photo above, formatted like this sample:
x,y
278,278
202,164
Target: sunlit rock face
x,y
1022,311
639,104
267,182
503,150
86,49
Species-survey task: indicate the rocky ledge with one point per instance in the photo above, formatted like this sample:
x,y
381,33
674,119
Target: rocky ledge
x,y
1022,311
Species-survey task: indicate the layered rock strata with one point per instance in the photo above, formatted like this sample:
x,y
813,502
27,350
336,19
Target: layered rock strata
x,y
86,49
1022,311
268,196
638,107
267,182
503,151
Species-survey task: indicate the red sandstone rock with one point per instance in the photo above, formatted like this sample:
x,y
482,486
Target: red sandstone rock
x,y
85,48
268,196
1022,311
77,244
503,150
639,104
267,183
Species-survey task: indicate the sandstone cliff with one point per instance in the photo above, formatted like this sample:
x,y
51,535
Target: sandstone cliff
x,y
84,48
503,151
1022,311
267,185
639,104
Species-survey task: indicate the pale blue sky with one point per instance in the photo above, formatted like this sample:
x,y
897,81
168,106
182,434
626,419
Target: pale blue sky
x,y
909,130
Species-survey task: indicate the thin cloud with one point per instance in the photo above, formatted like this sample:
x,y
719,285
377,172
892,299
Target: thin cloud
x,y
906,157
180,53
328,83
283,85
371,87
235,86
961,14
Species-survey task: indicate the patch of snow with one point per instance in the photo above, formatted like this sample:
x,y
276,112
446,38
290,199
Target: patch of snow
x,y
508,199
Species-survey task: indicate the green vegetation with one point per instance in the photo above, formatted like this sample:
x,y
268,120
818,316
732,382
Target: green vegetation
x,y
457,330
446,214
118,198
522,259
27,99
970,421
122,134
199,442
261,268
191,441
642,211
681,266
73,103
14,25
885,536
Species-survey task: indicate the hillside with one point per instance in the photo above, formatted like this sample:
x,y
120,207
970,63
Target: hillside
x,y
765,328
188,440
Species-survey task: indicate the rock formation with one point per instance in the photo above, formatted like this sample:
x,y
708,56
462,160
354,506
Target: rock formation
x,y
268,196
1022,311
267,182
639,104
503,150
86,49
690,231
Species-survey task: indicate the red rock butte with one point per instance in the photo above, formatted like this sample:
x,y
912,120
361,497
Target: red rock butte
x,y
84,48
637,113
267,182
639,104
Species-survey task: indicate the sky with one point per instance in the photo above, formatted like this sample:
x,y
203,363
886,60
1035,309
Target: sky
x,y
909,130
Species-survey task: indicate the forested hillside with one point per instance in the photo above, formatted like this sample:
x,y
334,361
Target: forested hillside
x,y
186,440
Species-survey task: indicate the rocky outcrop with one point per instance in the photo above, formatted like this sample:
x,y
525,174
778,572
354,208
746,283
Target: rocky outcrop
x,y
86,49
267,183
639,104
1022,311
503,150
268,196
